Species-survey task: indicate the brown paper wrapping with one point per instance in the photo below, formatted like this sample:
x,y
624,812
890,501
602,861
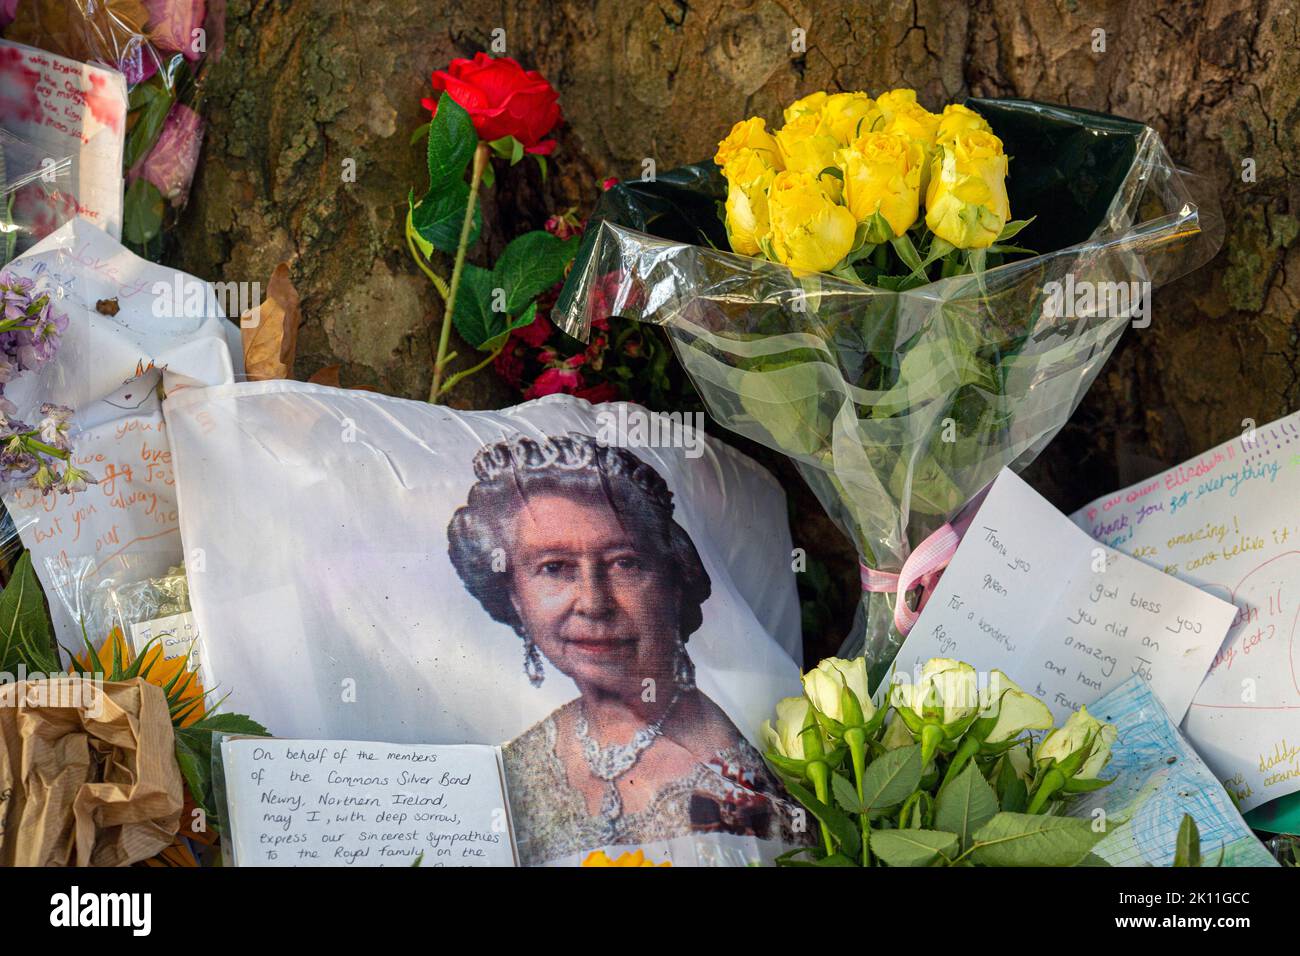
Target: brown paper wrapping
x,y
88,773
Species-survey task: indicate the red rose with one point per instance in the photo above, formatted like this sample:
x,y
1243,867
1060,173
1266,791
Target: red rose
x,y
510,366
502,99
554,380
535,333
604,392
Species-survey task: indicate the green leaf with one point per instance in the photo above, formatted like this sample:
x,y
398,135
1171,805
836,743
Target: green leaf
x,y
421,133
438,217
1188,848
475,319
194,755
843,829
1013,227
142,212
25,634
1019,839
892,777
149,103
1015,795
845,795
541,164
530,265
452,142
965,804
421,243
913,847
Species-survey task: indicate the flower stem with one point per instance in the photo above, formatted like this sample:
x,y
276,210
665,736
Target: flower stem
x,y
451,382
856,738
820,775
439,363
438,282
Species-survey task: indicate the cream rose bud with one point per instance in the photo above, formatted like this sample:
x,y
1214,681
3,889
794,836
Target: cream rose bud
x,y
948,691
1082,733
749,134
785,739
827,680
1016,710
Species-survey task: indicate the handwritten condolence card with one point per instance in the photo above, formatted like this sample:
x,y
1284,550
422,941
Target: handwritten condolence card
x,y
1030,594
352,803
1229,522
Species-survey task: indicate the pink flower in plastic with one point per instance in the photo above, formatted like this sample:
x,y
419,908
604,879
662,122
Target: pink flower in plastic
x,y
554,381
172,24
170,164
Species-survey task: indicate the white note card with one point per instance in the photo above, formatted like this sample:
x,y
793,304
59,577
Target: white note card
x,y
353,803
1025,594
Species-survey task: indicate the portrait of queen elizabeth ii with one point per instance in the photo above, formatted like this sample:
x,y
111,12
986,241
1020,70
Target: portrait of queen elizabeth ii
x,y
572,544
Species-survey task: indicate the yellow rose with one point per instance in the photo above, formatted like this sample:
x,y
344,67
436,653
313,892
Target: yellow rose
x,y
882,174
956,119
915,122
812,103
811,232
748,179
893,101
966,203
847,115
804,144
748,134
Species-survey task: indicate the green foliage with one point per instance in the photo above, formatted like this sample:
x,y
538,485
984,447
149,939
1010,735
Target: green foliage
x,y
915,781
26,637
142,213
194,755
492,302
437,218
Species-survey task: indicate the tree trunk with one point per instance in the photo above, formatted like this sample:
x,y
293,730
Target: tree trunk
x,y
301,89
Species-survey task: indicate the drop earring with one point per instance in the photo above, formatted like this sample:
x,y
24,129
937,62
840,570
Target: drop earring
x,y
533,663
683,668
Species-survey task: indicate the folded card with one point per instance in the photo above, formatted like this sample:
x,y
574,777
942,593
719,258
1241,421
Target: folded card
x,y
1030,594
1228,521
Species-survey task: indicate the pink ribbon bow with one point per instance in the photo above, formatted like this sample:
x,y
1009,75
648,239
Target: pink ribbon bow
x,y
922,567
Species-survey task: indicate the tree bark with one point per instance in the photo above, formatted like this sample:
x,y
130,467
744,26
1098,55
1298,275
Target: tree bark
x,y
302,88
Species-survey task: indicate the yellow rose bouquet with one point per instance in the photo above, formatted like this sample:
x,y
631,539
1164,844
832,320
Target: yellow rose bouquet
x,y
877,191
840,283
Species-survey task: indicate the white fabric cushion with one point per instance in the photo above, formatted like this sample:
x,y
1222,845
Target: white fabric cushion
x,y
315,527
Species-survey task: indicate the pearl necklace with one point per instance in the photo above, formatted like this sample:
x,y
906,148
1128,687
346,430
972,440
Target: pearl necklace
x,y
610,763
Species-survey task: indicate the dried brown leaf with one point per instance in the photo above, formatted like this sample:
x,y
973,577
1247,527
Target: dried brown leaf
x,y
270,334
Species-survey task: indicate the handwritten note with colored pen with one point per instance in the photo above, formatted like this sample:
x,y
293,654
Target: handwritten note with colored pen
x,y
1066,618
1229,522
